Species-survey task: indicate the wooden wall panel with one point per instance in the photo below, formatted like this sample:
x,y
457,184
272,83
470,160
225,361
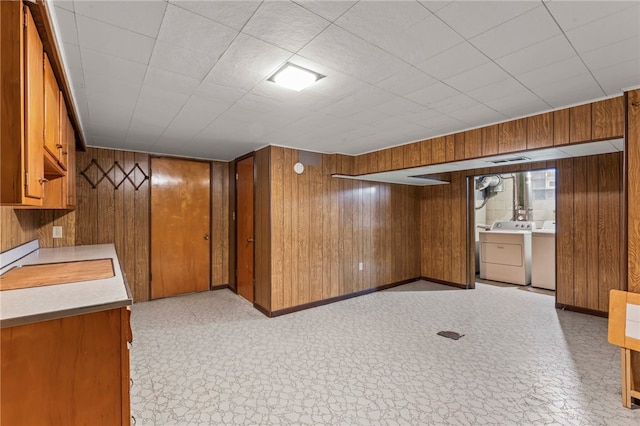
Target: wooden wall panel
x,y
589,208
580,123
459,148
561,127
384,160
412,155
607,118
17,227
473,144
262,228
438,150
540,131
490,140
512,136
443,212
397,157
220,224
121,216
633,189
330,225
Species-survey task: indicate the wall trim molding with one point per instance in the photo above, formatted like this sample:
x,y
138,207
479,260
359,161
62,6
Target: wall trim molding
x,y
582,310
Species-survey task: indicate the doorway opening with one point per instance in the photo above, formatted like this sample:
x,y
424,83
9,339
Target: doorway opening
x,y
515,217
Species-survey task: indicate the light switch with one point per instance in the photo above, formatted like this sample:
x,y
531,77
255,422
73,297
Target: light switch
x,y
57,232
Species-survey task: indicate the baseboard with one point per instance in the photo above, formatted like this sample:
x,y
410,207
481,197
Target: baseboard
x,y
317,303
219,287
582,310
434,280
263,310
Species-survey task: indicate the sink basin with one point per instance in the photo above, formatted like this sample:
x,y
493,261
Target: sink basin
x,y
55,273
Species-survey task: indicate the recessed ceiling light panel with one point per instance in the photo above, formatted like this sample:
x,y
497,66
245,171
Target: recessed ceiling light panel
x,y
294,77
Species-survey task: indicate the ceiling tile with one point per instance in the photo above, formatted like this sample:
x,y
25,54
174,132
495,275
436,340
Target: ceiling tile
x,y
170,81
194,116
340,50
453,103
64,4
358,101
190,31
113,41
519,104
143,17
470,18
233,14
432,94
613,54
434,6
404,29
329,10
478,115
335,84
304,99
616,78
538,55
406,81
216,93
103,89
399,107
559,71
525,30
73,63
285,25
67,25
475,78
573,14
570,91
497,90
182,61
247,62
158,107
455,60
97,64
606,31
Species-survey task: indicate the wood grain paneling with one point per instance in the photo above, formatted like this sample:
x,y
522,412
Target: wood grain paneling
x,y
262,230
328,226
412,155
397,157
384,160
473,144
607,118
580,123
443,212
588,231
633,189
540,131
220,224
438,150
490,140
512,136
561,127
17,227
459,149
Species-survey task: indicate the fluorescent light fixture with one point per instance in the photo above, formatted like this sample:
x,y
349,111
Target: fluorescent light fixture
x,y
295,77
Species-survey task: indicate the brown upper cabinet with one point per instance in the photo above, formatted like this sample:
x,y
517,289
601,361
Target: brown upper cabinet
x,y
38,140
22,107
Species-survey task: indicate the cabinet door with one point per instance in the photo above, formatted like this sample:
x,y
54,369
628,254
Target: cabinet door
x,y
62,126
70,153
51,111
33,111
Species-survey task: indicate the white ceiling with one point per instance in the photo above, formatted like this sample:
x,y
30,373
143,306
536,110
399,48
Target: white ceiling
x,y
190,77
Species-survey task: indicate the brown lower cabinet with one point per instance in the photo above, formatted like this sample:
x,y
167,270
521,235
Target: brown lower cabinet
x,y
67,371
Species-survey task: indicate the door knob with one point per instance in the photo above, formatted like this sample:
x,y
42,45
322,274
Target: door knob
x,y
249,240
206,236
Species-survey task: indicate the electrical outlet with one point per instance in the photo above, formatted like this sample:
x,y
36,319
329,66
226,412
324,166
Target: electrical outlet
x,y
360,266
57,232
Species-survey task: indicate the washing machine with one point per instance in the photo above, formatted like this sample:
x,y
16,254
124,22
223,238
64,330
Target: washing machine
x,y
505,252
543,256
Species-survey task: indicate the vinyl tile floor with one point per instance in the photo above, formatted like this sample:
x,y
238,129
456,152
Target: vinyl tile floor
x,y
212,359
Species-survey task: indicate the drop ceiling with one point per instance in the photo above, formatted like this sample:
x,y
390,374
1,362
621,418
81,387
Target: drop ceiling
x,y
189,78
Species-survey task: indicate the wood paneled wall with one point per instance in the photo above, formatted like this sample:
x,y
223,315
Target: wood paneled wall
x,y
119,216
588,230
633,190
443,240
583,123
322,227
18,226
262,229
589,208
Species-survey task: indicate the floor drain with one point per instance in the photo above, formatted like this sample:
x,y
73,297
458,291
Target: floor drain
x,y
450,334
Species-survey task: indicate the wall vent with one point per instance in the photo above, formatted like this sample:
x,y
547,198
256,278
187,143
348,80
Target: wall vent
x,y
509,160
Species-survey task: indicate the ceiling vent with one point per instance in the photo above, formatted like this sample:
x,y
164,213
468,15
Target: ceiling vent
x,y
509,160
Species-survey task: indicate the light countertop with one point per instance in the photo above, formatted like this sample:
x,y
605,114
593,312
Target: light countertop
x,y
28,305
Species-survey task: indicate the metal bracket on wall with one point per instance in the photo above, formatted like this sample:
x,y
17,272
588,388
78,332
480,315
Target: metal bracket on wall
x,y
105,174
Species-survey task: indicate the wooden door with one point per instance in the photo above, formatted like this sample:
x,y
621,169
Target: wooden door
x,y
244,230
51,111
180,226
34,110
